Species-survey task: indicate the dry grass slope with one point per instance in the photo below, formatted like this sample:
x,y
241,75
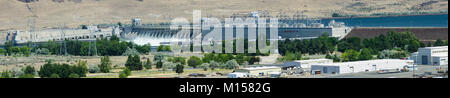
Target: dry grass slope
x,y
16,14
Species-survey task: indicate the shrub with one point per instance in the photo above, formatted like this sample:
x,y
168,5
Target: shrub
x,y
6,74
213,65
54,76
194,61
27,76
231,64
123,75
93,69
73,75
16,72
205,66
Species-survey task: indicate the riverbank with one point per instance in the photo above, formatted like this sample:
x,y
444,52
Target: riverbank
x,y
365,16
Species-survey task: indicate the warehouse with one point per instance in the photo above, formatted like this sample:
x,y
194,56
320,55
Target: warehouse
x,y
431,56
258,71
359,66
306,63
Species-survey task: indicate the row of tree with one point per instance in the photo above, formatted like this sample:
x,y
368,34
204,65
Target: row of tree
x,y
53,70
105,47
327,45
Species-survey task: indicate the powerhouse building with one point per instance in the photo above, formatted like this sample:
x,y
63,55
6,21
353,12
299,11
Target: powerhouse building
x,y
360,66
431,56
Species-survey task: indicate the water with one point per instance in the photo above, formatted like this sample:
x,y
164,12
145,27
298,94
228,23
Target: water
x,y
396,21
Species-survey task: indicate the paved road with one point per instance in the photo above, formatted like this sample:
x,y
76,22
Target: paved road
x,y
421,69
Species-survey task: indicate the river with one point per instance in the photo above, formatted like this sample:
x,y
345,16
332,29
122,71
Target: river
x,y
396,21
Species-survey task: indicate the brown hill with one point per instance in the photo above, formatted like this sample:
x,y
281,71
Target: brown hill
x,y
53,13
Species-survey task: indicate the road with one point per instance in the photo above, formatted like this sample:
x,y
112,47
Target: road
x,y
421,69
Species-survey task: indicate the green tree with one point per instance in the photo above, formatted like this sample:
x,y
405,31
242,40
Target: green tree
x,y
148,64
105,65
6,74
366,54
2,51
81,68
439,42
194,61
8,47
180,60
29,70
134,63
350,55
159,64
179,68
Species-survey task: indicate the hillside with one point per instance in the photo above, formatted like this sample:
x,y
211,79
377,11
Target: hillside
x,y
54,13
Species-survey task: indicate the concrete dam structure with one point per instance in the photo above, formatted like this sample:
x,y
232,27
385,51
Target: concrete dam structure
x,y
288,29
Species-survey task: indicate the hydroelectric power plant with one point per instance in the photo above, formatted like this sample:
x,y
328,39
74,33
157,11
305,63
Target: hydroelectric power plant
x,y
297,27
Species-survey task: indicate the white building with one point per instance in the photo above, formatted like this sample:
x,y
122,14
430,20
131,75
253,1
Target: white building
x,y
431,56
306,63
359,66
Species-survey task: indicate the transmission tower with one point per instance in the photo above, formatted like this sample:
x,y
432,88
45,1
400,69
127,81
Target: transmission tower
x,y
63,37
31,24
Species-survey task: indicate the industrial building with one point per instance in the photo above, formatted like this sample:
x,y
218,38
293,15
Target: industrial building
x,y
431,56
360,66
257,71
305,63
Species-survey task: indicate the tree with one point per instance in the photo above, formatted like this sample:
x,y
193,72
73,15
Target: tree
x,y
134,63
366,54
439,42
148,64
8,47
194,61
350,55
6,74
81,68
159,64
231,64
179,68
180,60
105,65
2,51
131,51
29,70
